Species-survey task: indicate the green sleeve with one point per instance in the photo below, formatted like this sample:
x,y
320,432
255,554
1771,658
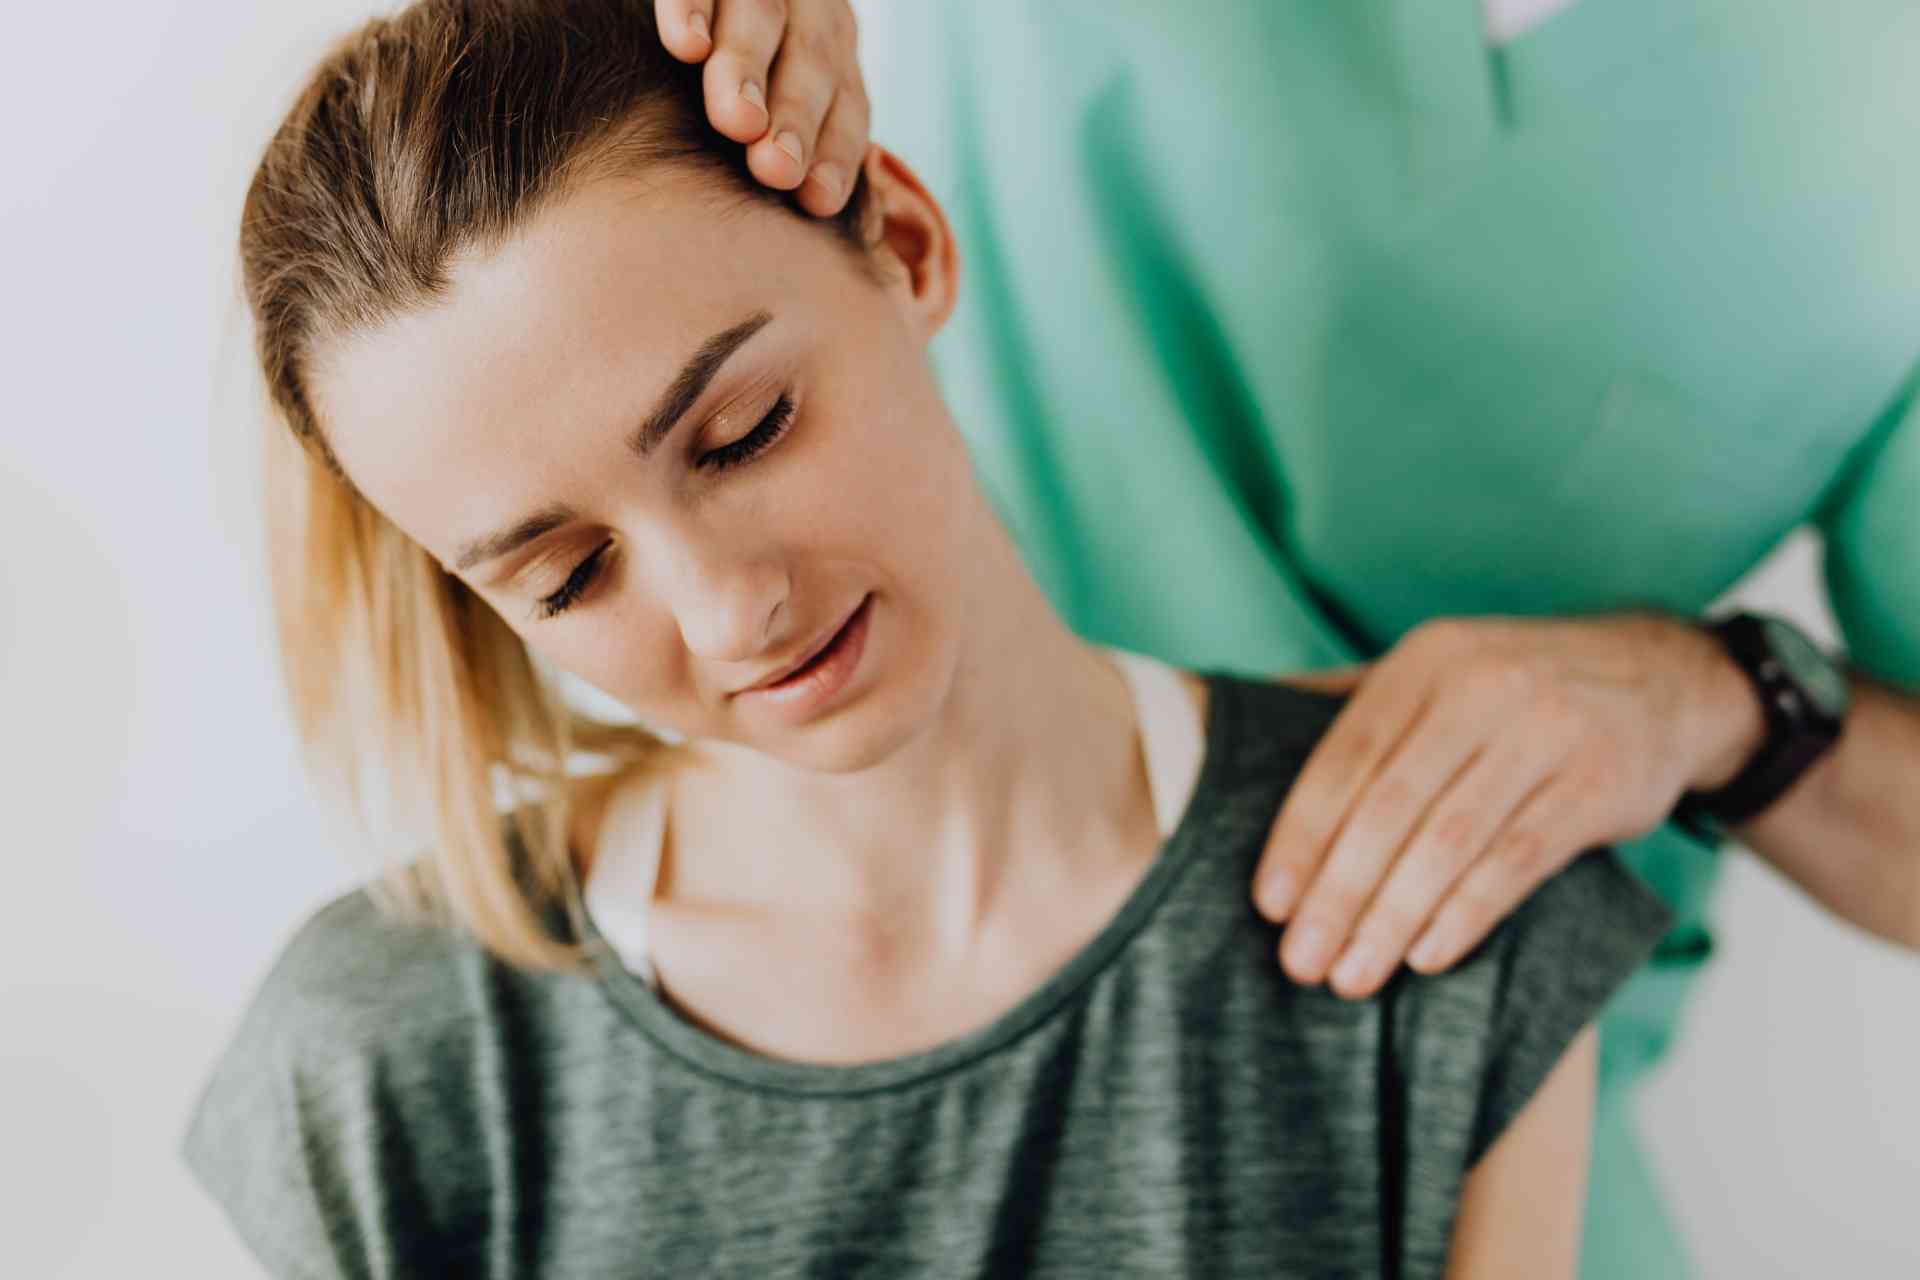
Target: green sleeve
x,y
1872,525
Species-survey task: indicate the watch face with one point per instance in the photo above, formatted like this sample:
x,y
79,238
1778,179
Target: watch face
x,y
1812,670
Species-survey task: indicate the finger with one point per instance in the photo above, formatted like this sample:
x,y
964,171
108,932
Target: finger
x,y
1422,768
805,75
686,27
1333,680
843,145
1341,763
1454,835
1530,847
746,34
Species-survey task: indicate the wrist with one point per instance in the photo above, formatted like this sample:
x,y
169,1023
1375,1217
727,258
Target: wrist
x,y
1730,726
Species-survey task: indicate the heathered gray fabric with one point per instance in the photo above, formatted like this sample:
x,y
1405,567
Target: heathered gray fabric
x,y
397,1103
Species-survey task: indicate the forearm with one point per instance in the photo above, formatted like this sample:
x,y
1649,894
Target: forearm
x,y
1848,832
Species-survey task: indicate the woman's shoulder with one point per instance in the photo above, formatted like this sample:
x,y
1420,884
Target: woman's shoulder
x,y
351,1068
1268,725
1506,1013
350,975
1468,1047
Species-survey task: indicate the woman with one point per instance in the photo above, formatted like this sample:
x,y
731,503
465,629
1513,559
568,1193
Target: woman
x,y
924,947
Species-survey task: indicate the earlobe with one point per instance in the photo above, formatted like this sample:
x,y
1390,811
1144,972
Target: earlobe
x,y
912,229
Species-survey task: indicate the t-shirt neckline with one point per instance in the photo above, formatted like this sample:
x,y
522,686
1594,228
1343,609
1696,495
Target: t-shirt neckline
x,y
713,1056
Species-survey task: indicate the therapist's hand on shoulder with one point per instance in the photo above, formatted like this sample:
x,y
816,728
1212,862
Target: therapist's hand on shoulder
x,y
1469,764
782,76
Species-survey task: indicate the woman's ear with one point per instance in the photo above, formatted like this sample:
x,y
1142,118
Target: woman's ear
x,y
907,226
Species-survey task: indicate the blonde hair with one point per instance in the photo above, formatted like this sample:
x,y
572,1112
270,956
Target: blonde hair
x,y
442,128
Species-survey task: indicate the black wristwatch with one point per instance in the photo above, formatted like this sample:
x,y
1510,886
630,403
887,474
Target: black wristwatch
x,y
1804,694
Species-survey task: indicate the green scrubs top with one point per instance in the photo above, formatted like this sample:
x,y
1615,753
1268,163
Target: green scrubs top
x,y
1287,325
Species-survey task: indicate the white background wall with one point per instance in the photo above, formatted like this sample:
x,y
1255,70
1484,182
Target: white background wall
x,y
161,844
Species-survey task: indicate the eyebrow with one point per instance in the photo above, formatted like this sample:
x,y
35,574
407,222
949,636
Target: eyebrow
x,y
681,395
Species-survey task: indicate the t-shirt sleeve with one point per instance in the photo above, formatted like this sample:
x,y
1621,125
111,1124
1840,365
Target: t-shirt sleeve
x,y
319,1133
1470,1047
1559,959
1871,522
244,1144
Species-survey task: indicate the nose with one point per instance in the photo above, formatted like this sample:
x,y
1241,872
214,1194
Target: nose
x,y
725,599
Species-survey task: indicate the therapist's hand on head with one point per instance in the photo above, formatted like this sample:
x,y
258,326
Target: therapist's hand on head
x,y
1472,762
782,76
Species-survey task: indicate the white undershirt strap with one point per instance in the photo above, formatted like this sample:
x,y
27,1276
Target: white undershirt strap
x,y
1173,735
625,869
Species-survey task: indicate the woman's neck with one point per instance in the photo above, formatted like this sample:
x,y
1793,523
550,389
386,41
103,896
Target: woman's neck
x,y
1028,780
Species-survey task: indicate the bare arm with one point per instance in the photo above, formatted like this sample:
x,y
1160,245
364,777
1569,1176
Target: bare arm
x,y
1521,1206
1849,831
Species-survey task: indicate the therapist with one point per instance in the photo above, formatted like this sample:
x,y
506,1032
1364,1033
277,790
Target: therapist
x,y
1474,348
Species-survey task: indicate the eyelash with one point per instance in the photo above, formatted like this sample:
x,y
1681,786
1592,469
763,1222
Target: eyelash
x,y
764,435
769,429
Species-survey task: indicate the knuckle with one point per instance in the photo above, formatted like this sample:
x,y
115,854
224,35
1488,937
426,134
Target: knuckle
x,y
798,104
837,24
816,44
728,67
1523,852
1393,794
1338,901
1596,784
1452,833
1602,776
1478,901
848,130
1311,821
1395,919
1360,748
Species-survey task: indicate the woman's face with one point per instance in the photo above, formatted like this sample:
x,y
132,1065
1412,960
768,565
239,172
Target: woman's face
x,y
677,441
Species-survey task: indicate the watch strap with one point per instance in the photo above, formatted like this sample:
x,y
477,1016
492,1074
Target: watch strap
x,y
1796,735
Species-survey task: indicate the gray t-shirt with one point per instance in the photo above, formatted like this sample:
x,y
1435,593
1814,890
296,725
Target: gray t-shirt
x,y
396,1102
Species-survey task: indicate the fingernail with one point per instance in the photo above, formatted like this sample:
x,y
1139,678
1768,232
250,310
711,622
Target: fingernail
x,y
1309,949
1427,953
789,142
1277,894
750,90
698,25
827,177
1356,968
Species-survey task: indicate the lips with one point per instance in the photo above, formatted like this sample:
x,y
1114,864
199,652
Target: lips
x,y
820,646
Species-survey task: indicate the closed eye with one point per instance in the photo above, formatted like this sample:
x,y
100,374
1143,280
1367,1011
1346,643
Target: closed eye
x,y
577,582
769,429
